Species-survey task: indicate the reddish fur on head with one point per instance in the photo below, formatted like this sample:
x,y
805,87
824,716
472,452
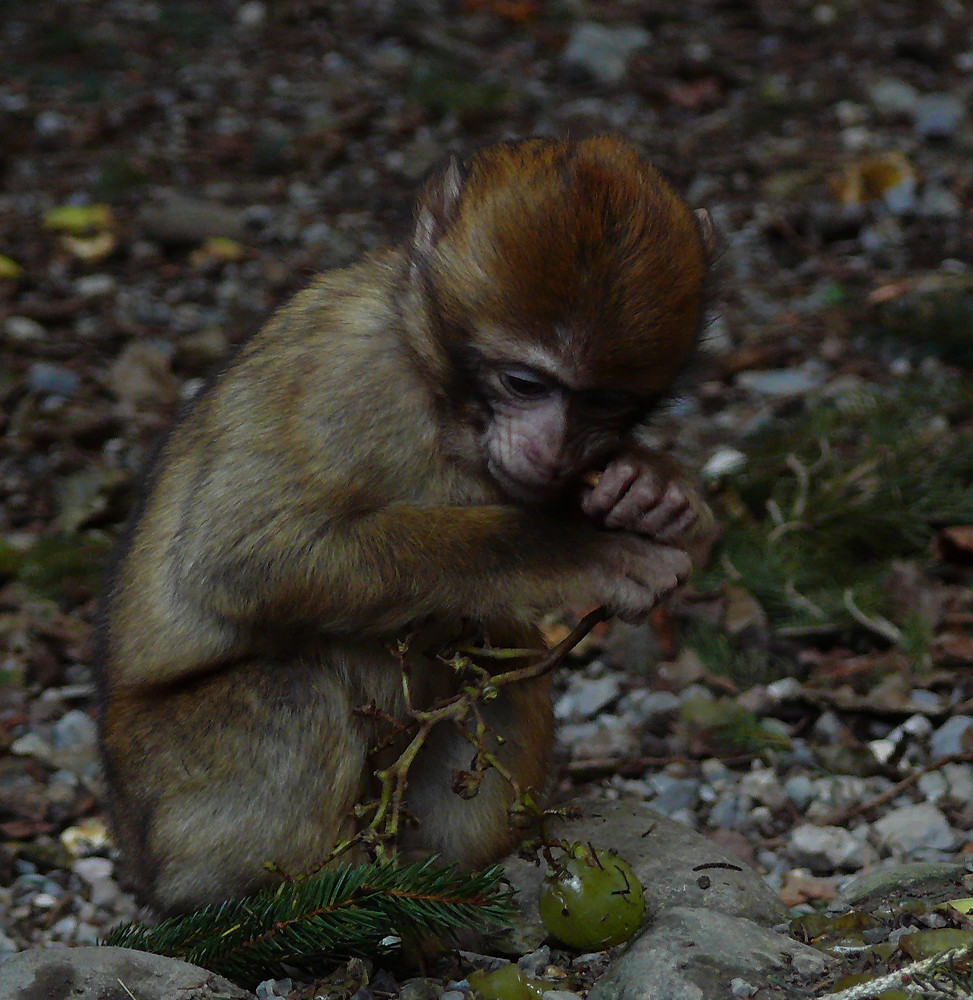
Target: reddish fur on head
x,y
581,247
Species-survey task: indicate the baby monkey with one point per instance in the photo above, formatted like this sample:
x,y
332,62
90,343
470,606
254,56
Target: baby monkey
x,y
442,434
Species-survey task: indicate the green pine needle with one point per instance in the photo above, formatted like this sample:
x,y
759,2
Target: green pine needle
x,y
883,471
312,924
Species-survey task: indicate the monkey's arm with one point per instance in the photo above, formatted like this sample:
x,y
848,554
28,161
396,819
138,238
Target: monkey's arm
x,y
374,573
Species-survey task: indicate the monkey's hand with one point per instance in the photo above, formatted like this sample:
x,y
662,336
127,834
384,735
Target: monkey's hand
x,y
634,574
649,494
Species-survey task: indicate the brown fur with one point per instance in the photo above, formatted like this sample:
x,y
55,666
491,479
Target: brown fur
x,y
328,490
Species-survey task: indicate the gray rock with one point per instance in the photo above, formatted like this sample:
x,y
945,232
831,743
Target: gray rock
x,y
251,14
74,731
419,989
272,989
694,954
23,329
893,97
91,870
781,383
937,202
32,745
672,795
52,380
763,785
928,880
724,462
175,219
603,52
828,728
933,786
586,697
731,811
103,973
535,962
93,286
921,700
937,116
842,790
52,124
917,830
648,708
825,848
800,790
959,783
74,741
607,736
951,737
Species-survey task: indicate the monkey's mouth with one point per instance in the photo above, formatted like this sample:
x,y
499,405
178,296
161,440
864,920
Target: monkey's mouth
x,y
532,491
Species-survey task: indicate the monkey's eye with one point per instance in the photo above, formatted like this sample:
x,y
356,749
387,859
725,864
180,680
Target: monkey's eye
x,y
523,384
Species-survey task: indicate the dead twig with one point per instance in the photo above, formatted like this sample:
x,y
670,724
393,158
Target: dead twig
x,y
842,816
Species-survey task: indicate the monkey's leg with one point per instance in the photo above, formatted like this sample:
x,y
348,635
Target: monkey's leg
x,y
258,764
477,831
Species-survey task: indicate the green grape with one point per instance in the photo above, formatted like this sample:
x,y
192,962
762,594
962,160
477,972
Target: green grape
x,y
593,900
506,983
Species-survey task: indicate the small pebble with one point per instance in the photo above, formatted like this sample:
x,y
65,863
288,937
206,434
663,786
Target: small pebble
x,y
586,697
724,462
23,329
272,989
937,116
91,870
251,14
824,849
780,384
535,962
92,286
50,379
952,737
920,831
602,52
893,97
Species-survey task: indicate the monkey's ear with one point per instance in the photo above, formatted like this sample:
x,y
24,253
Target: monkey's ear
x,y
707,232
438,208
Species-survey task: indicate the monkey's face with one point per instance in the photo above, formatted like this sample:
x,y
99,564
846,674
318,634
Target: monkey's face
x,y
540,434
565,283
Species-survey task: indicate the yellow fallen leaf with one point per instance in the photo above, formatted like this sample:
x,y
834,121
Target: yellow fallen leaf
x,y
79,219
872,178
90,248
217,248
89,835
10,268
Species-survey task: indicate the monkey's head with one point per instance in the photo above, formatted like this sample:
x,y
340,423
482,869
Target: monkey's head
x,y
564,281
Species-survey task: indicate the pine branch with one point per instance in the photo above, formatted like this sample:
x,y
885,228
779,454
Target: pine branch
x,y
312,924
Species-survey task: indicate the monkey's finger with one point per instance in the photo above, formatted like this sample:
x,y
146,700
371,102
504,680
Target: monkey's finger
x,y
612,485
649,589
658,520
641,499
679,528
